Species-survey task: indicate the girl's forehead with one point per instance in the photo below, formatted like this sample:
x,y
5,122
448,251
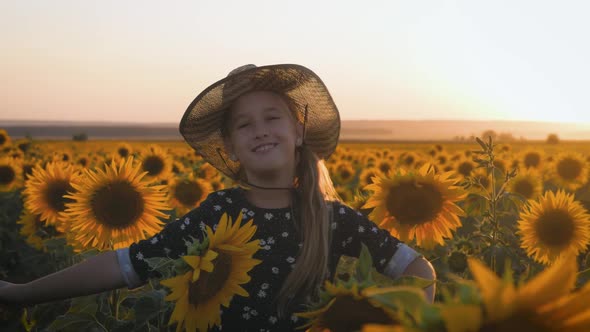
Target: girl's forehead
x,y
258,103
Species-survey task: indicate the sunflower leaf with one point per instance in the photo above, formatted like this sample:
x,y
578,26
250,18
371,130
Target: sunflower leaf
x,y
365,263
481,143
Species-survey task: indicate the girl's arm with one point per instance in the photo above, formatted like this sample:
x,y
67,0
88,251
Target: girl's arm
x,y
421,267
94,275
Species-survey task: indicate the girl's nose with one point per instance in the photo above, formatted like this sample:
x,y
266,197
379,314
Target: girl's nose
x,y
260,130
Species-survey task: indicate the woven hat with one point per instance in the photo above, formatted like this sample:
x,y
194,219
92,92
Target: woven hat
x,y
202,121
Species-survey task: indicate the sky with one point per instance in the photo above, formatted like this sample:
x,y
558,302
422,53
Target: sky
x,y
145,61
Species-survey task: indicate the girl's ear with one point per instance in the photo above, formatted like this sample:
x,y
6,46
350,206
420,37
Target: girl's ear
x,y
299,130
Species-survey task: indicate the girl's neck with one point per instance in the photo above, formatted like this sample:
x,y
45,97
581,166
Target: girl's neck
x,y
269,199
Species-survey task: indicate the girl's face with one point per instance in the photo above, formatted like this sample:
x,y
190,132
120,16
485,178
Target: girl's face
x,y
263,132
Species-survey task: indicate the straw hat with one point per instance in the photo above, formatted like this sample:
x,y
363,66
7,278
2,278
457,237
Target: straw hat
x,y
201,123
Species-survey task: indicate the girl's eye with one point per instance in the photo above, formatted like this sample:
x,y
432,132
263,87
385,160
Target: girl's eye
x,y
243,125
274,118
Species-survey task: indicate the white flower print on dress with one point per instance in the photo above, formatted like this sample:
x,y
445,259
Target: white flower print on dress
x,y
187,221
294,318
217,207
361,229
220,193
349,240
264,286
246,315
268,216
139,256
270,240
290,259
288,215
215,227
228,199
266,247
341,211
334,225
183,226
261,294
272,319
202,226
382,261
285,234
275,270
262,242
154,240
167,251
250,213
374,229
358,213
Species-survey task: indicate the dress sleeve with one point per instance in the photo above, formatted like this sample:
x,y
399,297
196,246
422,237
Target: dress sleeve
x,y
169,242
351,228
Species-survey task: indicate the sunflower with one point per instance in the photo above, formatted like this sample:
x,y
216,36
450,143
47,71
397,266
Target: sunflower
x,y
367,175
384,165
532,159
348,310
527,183
215,277
124,150
569,170
544,303
207,172
11,177
188,192
155,163
417,204
4,139
34,230
46,190
344,173
465,167
115,207
552,225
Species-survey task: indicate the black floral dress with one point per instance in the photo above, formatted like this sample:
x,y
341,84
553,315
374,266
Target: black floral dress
x,y
279,245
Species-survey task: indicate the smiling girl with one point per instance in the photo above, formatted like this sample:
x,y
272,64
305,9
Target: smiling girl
x,y
270,129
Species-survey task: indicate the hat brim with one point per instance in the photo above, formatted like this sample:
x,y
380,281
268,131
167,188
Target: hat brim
x,y
201,122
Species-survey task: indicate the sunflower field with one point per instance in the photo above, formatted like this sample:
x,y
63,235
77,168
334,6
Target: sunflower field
x,y
506,226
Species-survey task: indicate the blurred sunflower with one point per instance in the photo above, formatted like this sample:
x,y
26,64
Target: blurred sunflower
x,y
115,207
569,170
532,159
344,193
178,168
34,230
348,310
200,293
11,177
4,139
552,225
155,162
207,172
464,167
46,190
186,193
545,303
528,183
124,150
417,204
344,173
367,175
407,159
63,155
384,165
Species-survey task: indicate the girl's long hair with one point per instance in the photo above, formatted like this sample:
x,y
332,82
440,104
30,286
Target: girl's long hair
x,y
312,219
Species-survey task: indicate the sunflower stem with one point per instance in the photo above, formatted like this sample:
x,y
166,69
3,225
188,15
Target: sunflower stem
x,y
115,303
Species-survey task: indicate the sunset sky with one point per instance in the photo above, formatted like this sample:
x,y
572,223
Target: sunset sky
x,y
145,61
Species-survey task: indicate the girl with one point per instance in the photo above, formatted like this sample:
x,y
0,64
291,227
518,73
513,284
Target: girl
x,y
269,128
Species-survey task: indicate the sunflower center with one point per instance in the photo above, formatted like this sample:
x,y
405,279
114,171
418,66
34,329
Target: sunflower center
x,y
7,174
521,321
2,139
524,187
465,168
188,193
210,283
384,167
349,314
117,204
345,174
154,165
569,168
532,160
54,194
123,152
412,202
555,227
